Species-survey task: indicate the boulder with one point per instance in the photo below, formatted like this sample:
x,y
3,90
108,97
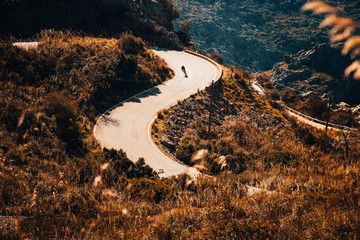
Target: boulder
x,y
344,105
167,143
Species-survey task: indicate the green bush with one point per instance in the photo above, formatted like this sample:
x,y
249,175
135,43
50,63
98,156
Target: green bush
x,y
120,166
305,135
224,148
81,205
274,95
126,66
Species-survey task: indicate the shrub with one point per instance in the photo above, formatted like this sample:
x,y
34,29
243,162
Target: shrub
x,y
274,95
126,66
120,166
81,205
238,162
217,58
316,107
288,96
131,45
343,118
224,148
283,158
268,85
151,190
185,26
184,153
160,115
305,135
23,67
69,127
170,12
9,116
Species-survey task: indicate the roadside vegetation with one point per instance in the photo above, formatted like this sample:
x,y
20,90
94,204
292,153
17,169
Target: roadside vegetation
x,y
59,184
51,98
313,178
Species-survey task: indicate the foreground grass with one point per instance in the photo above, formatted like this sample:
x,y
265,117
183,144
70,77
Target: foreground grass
x,y
60,184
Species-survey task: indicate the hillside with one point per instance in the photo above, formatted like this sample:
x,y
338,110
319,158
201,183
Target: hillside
x,y
56,182
318,72
150,20
255,33
312,177
51,98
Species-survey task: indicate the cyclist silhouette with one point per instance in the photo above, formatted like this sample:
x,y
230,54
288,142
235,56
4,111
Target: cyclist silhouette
x,y
183,69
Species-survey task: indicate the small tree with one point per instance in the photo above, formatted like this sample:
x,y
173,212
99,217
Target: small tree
x,y
185,26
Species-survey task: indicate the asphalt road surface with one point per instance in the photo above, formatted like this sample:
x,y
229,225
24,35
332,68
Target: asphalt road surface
x,y
127,125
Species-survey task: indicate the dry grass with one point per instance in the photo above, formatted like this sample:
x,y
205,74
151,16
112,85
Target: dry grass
x,y
316,184
317,187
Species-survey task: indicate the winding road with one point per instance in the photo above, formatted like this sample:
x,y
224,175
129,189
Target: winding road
x,y
127,125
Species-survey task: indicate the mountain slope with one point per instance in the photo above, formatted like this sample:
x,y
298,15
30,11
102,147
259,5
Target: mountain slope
x,y
254,33
151,20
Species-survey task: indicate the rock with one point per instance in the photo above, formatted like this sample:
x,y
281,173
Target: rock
x,y
295,66
167,143
319,70
307,94
287,76
315,80
344,105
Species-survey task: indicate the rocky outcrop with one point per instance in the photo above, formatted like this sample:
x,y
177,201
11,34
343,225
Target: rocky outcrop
x,y
256,33
318,71
151,20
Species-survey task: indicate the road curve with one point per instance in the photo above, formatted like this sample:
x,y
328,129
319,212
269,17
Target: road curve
x,y
127,125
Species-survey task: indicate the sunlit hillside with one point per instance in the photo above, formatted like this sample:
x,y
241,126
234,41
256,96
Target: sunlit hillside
x,y
253,168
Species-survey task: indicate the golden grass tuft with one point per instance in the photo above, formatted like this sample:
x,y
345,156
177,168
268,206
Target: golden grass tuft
x,y
342,29
98,181
353,68
338,37
319,7
351,44
104,167
338,22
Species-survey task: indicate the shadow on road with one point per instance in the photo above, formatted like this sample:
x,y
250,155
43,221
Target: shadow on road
x,y
137,98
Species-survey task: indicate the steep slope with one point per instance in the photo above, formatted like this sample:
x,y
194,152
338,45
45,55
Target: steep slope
x,y
319,71
254,33
151,20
